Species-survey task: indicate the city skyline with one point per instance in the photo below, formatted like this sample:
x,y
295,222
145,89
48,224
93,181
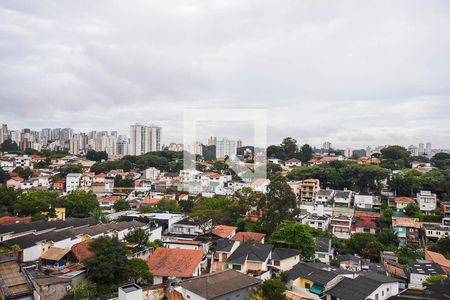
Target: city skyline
x,y
359,75
152,141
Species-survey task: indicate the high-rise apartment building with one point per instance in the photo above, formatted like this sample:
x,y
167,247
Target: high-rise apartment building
x,y
421,149
239,144
226,147
212,141
144,139
428,149
3,133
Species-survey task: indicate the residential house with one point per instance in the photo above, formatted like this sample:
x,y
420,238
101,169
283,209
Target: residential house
x,y
309,189
341,226
316,278
325,197
366,286
402,202
251,258
407,229
222,250
293,162
427,201
227,284
361,226
218,232
316,220
446,209
351,263
367,202
151,173
439,259
175,263
72,182
255,237
420,270
343,198
324,249
15,182
283,259
434,232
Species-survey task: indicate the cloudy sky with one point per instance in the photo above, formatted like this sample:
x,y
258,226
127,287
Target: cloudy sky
x,y
356,73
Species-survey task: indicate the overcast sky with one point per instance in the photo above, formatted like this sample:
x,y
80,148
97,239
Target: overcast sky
x,y
355,73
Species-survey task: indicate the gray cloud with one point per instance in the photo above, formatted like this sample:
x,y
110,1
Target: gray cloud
x,y
356,73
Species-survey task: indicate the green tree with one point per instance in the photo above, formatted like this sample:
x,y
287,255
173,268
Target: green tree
x,y
79,203
386,218
8,198
119,181
388,237
413,210
289,147
441,160
38,204
9,146
121,205
96,155
109,264
98,214
409,252
71,168
395,157
435,278
364,244
24,173
218,210
280,204
273,289
168,205
139,271
293,235
306,153
155,244
442,246
186,206
137,236
4,176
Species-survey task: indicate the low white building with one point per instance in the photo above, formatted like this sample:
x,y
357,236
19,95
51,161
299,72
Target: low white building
x,y
427,201
343,198
367,201
151,173
72,182
293,162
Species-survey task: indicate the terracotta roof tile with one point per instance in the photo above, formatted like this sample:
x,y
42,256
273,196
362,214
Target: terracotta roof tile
x,y
249,236
223,231
175,262
81,251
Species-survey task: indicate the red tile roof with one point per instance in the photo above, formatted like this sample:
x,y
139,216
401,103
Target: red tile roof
x,y
223,231
437,258
404,199
11,219
175,262
249,236
150,201
365,224
109,199
81,251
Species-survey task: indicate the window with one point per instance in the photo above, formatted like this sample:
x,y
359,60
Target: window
x,y
276,262
237,267
382,293
388,290
307,285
